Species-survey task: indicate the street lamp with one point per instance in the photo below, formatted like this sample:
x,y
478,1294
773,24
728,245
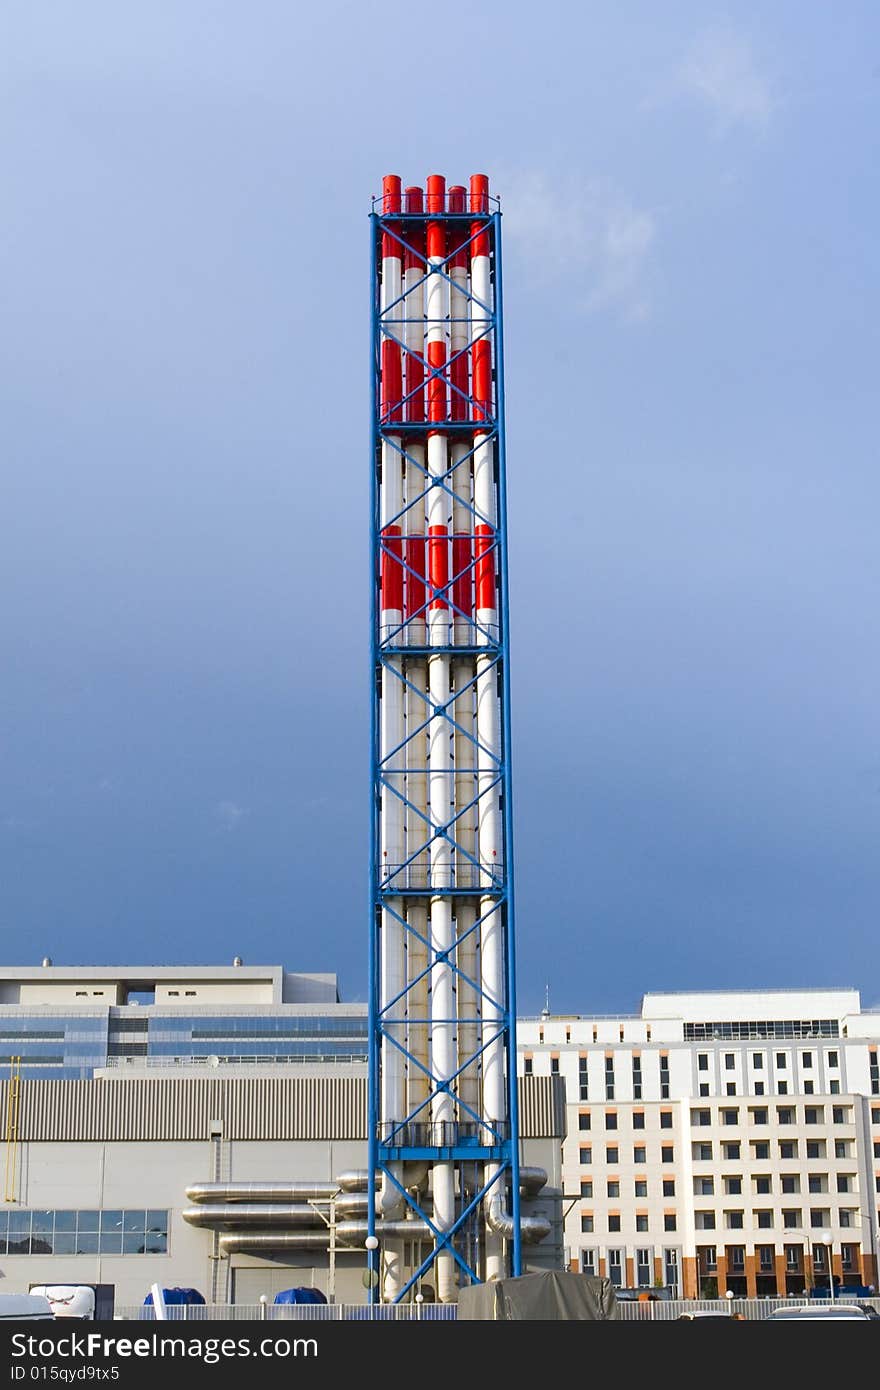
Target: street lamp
x,y
828,1243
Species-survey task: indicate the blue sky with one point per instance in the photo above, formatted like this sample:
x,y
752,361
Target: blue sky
x,y
690,224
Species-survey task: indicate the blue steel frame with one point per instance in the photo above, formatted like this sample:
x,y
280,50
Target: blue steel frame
x,y
408,1141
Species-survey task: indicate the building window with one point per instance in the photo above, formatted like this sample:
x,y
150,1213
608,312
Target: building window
x,y
813,1115
669,1221
702,1061
585,1155
704,1088
841,1148
788,1148
729,1061
845,1182
758,1061
609,1078
809,1088
584,1119
667,1153
736,1255
700,1117
587,1187
730,1088
641,1221
730,1117
615,1263
583,1082
734,1220
762,1185
704,1187
816,1182
702,1152
613,1187
731,1151
554,1066
638,1119
643,1260
527,1066
132,1231
669,1187
761,1150
613,1221
666,1119
839,1115
611,1119
588,1262
664,1076
733,1186
640,1187
820,1217
759,1115
587,1223
781,1061
834,1086
764,1220
639,1154
785,1114
790,1182
637,1077
670,1266
759,1088
806,1059
791,1217
765,1258
611,1154
815,1148
832,1059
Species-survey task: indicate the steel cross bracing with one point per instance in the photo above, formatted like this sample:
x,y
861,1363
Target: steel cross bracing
x,y
438,869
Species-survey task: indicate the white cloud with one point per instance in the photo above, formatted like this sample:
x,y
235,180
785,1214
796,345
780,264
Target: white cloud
x,y
721,70
583,233
229,814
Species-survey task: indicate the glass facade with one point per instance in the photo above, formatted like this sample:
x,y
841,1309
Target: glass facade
x,y
69,1047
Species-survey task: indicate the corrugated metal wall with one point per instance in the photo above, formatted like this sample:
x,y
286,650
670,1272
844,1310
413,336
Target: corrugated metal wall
x,y
184,1108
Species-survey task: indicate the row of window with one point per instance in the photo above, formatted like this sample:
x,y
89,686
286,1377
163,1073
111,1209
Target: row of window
x,y
757,1028
832,1060
780,1087
759,1149
132,1231
762,1184
785,1115
763,1220
612,1153
610,1117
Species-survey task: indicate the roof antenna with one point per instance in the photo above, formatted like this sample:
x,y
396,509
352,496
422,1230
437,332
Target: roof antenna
x,y
545,1012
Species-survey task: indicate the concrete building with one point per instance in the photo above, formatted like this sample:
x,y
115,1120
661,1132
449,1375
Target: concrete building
x,y
203,1127
719,1141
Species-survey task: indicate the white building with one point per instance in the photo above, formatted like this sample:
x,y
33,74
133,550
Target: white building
x,y
719,1141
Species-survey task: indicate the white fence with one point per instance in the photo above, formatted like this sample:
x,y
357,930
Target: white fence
x,y
661,1310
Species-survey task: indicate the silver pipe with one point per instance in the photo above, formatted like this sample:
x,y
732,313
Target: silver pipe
x,y
261,1191
233,1214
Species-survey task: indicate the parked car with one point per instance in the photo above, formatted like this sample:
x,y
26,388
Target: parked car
x,y
819,1312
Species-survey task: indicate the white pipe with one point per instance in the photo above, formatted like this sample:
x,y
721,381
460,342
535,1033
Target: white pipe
x,y
392,961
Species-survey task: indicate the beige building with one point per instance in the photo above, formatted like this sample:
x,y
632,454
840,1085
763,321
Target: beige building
x,y
719,1141
203,1128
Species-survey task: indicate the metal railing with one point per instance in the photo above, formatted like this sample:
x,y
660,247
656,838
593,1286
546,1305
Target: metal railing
x,y
660,1310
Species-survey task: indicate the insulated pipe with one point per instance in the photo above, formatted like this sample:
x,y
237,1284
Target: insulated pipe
x,y
391,732
416,696
443,1045
488,723
463,669
262,1191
